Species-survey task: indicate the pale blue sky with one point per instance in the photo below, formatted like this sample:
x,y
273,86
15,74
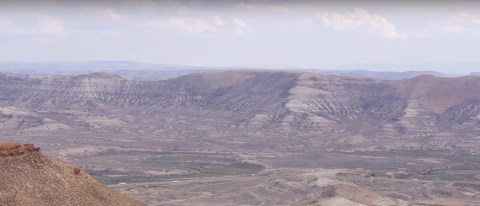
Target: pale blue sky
x,y
308,34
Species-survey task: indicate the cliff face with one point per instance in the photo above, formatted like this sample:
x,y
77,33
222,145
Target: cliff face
x,y
312,103
31,178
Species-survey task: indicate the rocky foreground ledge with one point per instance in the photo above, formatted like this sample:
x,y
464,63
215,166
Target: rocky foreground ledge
x,y
30,178
10,149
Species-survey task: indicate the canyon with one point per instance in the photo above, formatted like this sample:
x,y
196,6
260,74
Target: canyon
x,y
257,137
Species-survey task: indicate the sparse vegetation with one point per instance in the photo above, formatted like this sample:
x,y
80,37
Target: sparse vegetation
x,y
258,134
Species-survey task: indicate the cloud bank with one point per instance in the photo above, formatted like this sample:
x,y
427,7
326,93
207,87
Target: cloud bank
x,y
361,19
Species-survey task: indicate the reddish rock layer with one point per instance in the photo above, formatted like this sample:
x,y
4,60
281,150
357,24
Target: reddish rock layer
x,y
9,149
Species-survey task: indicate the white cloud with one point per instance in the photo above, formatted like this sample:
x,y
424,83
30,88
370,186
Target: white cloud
x,y
50,26
359,18
462,22
188,25
218,21
202,25
241,26
111,14
257,7
240,23
191,25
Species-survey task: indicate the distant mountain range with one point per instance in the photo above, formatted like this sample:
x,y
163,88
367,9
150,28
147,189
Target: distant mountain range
x,y
134,70
380,75
138,70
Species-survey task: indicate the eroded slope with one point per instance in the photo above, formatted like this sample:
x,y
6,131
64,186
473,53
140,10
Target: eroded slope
x,y
31,178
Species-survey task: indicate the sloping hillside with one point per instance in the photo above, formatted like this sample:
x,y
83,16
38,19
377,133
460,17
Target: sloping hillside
x,y
31,178
426,104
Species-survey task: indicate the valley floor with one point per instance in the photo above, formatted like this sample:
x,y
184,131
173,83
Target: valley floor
x,y
305,187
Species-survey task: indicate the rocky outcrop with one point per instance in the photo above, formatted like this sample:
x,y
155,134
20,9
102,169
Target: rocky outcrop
x,y
8,149
30,178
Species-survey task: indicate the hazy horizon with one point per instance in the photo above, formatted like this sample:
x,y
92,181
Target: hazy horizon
x,y
451,68
345,35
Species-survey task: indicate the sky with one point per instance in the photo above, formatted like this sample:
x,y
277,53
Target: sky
x,y
247,33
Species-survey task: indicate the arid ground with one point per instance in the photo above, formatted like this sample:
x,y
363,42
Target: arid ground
x,y
258,138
